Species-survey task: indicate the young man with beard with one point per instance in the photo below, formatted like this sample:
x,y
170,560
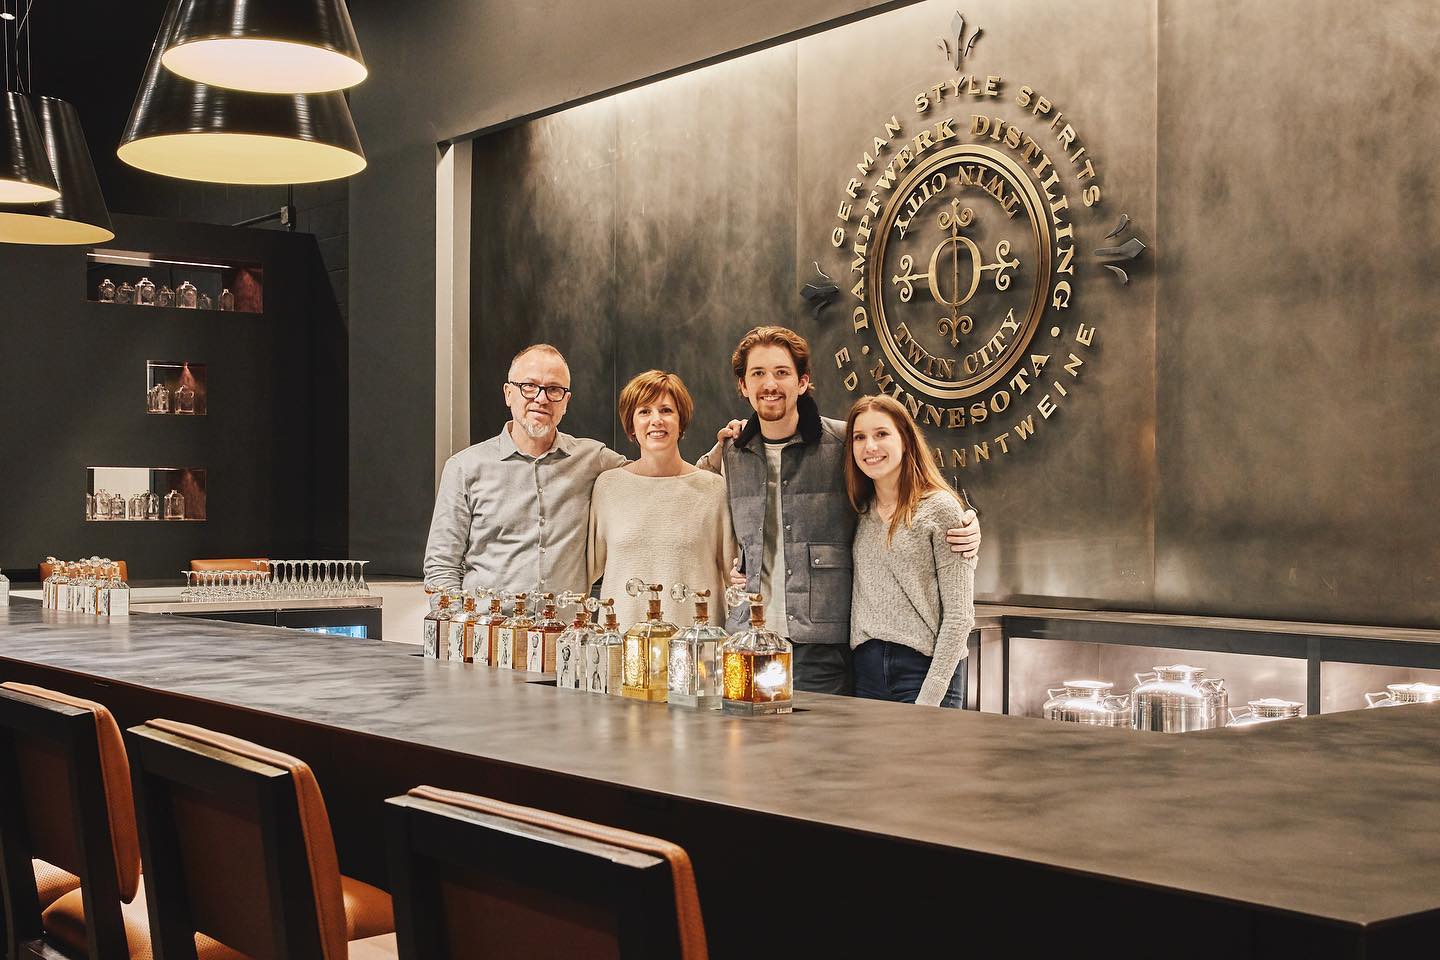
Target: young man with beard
x,y
785,471
512,511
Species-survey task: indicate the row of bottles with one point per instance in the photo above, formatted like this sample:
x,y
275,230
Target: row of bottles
x,y
92,586
161,399
103,505
750,673
145,294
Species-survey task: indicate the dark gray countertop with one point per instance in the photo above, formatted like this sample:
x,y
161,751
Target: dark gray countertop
x,y
1335,816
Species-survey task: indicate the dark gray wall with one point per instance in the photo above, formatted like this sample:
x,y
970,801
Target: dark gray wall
x,y
72,382
445,69
1246,439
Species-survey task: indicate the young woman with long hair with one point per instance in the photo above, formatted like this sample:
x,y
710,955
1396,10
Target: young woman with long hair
x,y
913,601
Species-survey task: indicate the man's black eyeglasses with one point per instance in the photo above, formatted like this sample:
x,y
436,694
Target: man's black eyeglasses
x,y
530,391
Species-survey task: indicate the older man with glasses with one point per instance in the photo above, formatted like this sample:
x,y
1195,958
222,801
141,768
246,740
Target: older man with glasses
x,y
512,511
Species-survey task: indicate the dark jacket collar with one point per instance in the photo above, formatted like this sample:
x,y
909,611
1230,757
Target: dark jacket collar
x,y
809,423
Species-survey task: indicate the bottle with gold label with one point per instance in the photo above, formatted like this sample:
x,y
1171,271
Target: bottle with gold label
x,y
437,623
460,632
757,664
570,645
604,652
694,672
513,633
540,638
647,647
487,629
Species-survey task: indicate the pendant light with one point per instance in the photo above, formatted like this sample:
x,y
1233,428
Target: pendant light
x,y
194,131
79,215
265,46
25,175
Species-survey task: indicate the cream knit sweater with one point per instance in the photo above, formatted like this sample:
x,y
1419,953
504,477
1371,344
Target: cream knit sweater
x,y
663,530
915,591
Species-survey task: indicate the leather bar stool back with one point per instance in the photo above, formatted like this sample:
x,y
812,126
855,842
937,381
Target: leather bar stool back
x,y
238,847
475,877
65,800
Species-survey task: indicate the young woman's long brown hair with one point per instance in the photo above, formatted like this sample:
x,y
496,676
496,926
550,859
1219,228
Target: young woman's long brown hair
x,y
918,472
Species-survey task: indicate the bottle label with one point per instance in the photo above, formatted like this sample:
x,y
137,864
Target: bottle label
x,y
535,651
119,602
505,655
568,670
431,636
455,645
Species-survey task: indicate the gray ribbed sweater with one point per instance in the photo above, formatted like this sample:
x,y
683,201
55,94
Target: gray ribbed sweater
x,y
917,591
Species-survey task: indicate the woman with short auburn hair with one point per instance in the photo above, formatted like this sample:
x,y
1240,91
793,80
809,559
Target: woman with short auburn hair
x,y
913,598
658,517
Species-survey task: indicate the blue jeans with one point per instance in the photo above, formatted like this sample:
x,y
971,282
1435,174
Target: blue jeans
x,y
893,671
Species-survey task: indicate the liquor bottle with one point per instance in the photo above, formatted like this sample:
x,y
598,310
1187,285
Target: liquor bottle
x,y
145,292
166,297
136,510
174,505
570,645
540,639
460,632
4,589
511,633
186,296
487,629
604,653
62,587
89,506
117,593
437,621
757,664
125,293
695,655
152,506
159,399
184,400
107,290
47,586
647,647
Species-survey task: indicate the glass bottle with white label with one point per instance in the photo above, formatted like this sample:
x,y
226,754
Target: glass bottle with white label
x,y
513,634
647,647
694,672
460,632
570,645
437,622
757,664
604,653
540,638
117,593
4,589
487,629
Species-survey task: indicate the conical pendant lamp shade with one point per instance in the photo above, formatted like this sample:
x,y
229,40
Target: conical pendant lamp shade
x,y
79,216
194,131
266,46
25,175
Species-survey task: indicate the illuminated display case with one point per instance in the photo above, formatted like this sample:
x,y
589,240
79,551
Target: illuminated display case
x,y
145,494
176,389
126,278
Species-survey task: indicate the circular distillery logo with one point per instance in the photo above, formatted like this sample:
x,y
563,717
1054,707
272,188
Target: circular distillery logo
x,y
960,229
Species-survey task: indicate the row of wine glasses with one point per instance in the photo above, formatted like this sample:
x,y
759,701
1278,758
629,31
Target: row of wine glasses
x,y
279,580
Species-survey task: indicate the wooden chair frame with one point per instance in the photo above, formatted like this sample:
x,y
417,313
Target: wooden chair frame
x,y
158,761
72,730
637,888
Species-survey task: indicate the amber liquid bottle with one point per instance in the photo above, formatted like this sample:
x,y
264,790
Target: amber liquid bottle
x,y
487,631
758,668
513,634
460,633
540,639
647,648
437,624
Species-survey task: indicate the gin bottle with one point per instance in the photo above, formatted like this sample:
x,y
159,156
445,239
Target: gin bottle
x,y
4,590
437,622
647,647
757,664
570,645
487,629
694,672
511,633
460,632
603,653
540,639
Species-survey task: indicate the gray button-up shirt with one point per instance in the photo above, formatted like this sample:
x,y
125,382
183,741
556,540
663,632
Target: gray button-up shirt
x,y
508,521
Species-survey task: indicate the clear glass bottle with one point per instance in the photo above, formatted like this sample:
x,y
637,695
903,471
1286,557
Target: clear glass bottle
x,y
487,630
604,653
136,507
47,586
117,593
187,296
647,647
107,290
437,623
570,645
694,672
152,506
89,506
125,293
511,633
4,589
540,638
184,399
166,297
758,664
205,302
460,632
117,507
145,292
227,299
174,505
157,400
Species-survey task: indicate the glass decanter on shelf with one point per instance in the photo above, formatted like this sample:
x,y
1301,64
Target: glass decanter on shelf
x,y
145,292
603,653
647,647
437,623
540,638
184,399
205,302
757,664
125,293
136,508
174,505
694,673
117,507
512,633
227,299
165,298
152,506
89,506
187,296
107,290
487,629
158,399
570,645
460,632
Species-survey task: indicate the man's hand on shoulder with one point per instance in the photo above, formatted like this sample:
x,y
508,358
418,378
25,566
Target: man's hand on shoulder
x,y
965,539
730,431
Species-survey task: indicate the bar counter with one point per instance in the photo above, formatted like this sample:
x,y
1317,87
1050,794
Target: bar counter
x,y
849,826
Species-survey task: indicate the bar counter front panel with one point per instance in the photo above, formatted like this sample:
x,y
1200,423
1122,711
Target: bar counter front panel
x,y
850,826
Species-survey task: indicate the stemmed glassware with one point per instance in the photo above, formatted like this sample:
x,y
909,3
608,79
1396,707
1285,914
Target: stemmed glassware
x,y
279,580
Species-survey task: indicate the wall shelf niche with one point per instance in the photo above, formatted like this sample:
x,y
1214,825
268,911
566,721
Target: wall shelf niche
x,y
145,494
147,280
176,388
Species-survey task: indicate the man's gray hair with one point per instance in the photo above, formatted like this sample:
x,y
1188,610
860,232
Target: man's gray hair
x,y
542,347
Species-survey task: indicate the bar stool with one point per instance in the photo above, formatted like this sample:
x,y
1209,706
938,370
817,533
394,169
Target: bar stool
x,y
238,847
475,877
65,800
260,564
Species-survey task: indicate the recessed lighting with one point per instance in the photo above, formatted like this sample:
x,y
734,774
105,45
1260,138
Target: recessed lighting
x,y
7,15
